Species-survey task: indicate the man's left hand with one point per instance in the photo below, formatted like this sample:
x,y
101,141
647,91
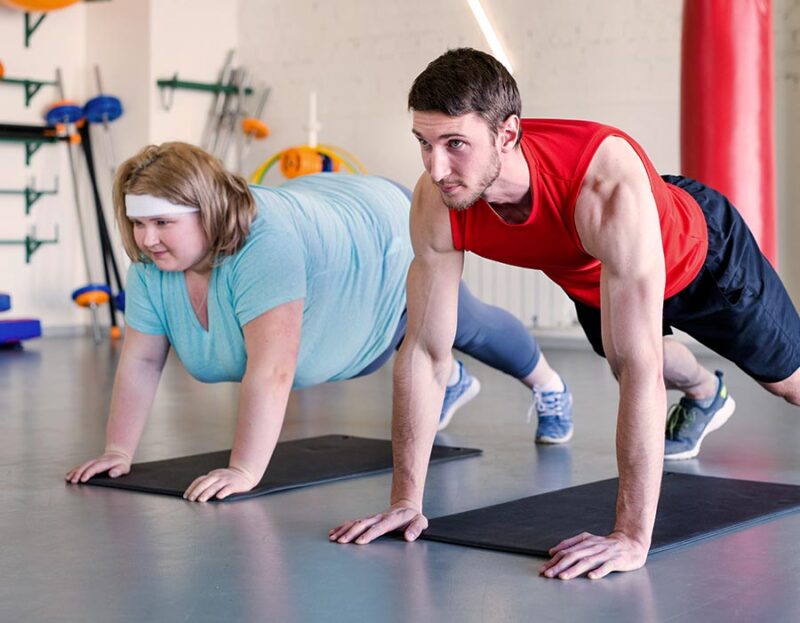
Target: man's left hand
x,y
597,555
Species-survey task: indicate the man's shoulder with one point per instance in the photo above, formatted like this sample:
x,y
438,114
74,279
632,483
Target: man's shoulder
x,y
547,125
430,217
427,203
425,193
615,160
564,136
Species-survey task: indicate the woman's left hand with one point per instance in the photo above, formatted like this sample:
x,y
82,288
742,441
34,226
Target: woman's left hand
x,y
219,483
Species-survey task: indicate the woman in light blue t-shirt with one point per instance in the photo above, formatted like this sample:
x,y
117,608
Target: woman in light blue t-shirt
x,y
275,288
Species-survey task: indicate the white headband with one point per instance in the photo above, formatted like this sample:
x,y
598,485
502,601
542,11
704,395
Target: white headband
x,y
144,206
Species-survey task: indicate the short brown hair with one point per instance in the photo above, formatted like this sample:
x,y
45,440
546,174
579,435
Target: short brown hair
x,y
186,175
463,81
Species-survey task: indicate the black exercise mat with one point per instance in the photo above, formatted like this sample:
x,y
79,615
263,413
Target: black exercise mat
x,y
691,508
294,464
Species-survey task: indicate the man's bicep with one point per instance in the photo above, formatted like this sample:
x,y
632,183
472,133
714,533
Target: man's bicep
x,y
616,213
432,291
429,220
434,275
621,228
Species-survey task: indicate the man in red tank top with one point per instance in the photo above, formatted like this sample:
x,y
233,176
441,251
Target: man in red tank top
x,y
637,253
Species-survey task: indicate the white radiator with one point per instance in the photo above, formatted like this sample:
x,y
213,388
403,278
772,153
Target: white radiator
x,y
528,294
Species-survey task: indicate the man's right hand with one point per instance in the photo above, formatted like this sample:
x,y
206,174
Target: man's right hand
x,y
397,517
115,463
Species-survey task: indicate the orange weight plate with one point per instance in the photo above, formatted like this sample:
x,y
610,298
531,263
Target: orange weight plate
x,y
95,297
299,161
255,128
38,5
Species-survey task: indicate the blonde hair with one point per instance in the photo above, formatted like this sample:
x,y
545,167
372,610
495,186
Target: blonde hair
x,y
186,175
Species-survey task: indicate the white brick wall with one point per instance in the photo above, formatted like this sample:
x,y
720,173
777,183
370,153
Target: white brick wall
x,y
134,42
42,288
787,138
616,62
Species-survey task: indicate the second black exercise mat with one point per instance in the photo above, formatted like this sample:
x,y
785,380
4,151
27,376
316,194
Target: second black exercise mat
x,y
294,464
690,508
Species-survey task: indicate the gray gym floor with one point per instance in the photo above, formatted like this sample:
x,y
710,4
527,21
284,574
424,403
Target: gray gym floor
x,y
71,553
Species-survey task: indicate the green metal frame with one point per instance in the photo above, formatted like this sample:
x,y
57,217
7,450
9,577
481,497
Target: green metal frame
x,y
32,195
31,86
32,243
208,87
213,87
31,24
32,145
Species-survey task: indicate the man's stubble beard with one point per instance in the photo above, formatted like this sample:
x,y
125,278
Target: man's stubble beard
x,y
492,173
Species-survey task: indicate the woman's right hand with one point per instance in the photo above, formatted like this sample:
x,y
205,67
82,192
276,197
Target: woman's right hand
x,y
115,463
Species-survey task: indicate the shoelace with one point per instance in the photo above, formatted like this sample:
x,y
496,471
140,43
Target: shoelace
x,y
547,404
678,414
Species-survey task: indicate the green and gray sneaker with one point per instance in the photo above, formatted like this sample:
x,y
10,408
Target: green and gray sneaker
x,y
690,421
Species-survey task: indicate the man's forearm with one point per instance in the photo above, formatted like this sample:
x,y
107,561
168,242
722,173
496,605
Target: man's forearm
x,y
418,393
640,450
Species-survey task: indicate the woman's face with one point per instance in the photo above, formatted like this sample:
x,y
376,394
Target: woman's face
x,y
174,242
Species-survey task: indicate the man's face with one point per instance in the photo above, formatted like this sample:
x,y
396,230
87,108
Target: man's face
x,y
461,155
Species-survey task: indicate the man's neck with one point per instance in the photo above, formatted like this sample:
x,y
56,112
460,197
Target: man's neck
x,y
510,194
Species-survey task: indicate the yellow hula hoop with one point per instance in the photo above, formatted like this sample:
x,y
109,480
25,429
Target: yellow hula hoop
x,y
342,156
261,171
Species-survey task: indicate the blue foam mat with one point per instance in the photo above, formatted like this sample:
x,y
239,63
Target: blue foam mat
x,y
12,331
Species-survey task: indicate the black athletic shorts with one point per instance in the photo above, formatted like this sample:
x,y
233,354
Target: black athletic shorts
x,y
737,305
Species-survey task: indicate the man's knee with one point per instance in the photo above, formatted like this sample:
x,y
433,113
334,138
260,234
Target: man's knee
x,y
788,389
793,397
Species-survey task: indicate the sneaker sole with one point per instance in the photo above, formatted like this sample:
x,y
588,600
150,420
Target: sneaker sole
x,y
463,399
720,417
555,440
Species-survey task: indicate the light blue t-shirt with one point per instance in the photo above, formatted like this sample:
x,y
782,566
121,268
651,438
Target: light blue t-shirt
x,y
341,242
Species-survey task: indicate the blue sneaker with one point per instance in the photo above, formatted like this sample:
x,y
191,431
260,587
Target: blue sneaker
x,y
554,415
688,422
456,396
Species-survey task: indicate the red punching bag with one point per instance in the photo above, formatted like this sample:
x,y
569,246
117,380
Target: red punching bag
x,y
727,138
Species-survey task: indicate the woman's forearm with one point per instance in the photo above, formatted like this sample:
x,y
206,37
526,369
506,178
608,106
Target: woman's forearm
x,y
131,400
262,408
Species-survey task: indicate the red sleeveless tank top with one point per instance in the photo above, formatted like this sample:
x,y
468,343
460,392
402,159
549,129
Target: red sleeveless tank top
x,y
558,152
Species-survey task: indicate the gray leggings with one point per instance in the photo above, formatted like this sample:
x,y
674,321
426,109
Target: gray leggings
x,y
487,333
